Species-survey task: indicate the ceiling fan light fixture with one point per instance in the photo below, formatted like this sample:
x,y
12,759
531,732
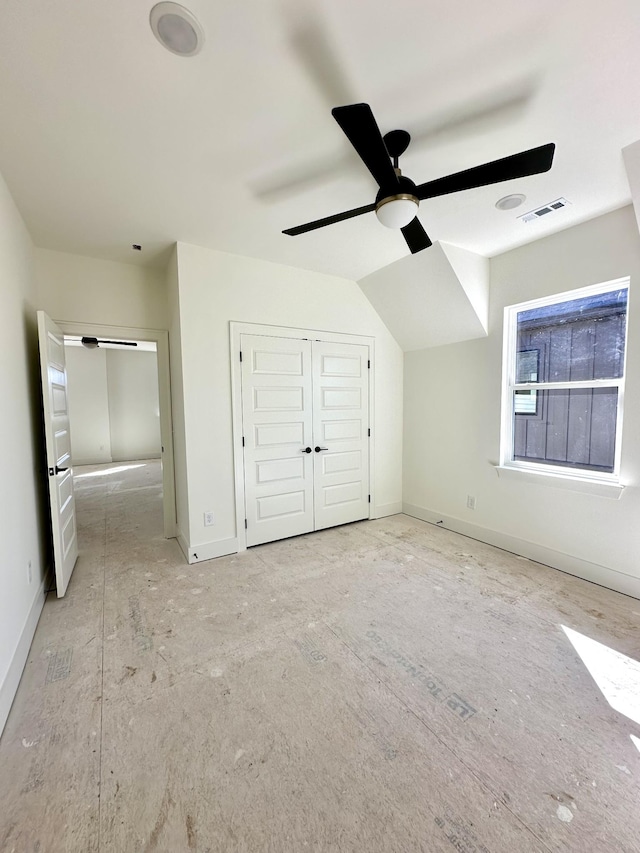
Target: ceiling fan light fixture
x,y
396,211
176,29
508,202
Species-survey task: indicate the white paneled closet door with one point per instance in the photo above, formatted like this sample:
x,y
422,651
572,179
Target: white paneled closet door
x,y
340,433
277,434
305,415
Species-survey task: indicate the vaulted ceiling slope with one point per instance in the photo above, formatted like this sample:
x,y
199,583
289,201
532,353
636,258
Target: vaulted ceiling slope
x,y
108,139
433,298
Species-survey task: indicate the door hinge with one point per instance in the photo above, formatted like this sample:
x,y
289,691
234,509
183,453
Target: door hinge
x,y
369,363
245,524
369,501
243,441
369,433
240,355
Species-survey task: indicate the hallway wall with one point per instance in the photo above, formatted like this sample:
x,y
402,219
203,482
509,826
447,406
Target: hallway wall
x,y
88,400
113,405
73,288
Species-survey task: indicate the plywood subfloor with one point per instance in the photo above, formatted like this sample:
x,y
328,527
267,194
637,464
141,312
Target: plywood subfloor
x,y
384,686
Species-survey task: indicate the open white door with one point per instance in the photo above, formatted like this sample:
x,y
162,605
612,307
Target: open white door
x,y
58,446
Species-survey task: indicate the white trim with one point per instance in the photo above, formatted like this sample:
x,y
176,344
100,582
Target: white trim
x,y
9,686
576,383
211,550
593,572
161,338
576,293
542,476
236,330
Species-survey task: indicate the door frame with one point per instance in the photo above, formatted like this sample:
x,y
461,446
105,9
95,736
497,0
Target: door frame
x,y
161,338
236,329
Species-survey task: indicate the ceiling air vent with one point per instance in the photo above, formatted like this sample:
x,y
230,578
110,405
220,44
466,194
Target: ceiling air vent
x,y
545,210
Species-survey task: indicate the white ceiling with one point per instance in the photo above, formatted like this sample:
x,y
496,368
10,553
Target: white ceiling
x,y
108,139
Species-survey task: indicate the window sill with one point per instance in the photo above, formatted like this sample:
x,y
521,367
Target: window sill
x,y
602,488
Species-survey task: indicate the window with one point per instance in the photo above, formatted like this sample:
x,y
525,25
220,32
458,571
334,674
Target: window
x,y
564,382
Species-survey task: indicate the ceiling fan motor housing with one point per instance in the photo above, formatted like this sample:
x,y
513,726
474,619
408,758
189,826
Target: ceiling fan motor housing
x,y
397,206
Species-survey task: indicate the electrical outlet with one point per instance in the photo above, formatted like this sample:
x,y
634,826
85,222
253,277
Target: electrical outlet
x,y
471,502
29,572
208,519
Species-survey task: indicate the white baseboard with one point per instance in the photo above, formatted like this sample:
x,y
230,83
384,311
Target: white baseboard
x,y
139,457
594,572
9,686
211,550
382,511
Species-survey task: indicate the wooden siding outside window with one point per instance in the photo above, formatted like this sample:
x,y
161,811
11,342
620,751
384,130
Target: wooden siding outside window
x,y
572,427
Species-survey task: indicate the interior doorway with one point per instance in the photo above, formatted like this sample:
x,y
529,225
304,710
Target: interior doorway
x,y
120,404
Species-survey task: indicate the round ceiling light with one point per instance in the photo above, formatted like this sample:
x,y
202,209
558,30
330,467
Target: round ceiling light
x,y
176,28
508,202
396,211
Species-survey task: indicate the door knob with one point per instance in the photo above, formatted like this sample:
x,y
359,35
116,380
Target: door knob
x,y
306,450
318,448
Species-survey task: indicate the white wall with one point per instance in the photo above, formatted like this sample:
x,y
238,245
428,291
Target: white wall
x,y
113,405
88,401
215,288
452,420
23,483
134,409
73,288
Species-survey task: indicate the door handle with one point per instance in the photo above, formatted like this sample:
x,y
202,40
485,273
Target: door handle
x,y
318,448
306,450
56,470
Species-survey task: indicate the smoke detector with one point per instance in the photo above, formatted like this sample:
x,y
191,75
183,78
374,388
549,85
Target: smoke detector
x,y
176,29
508,202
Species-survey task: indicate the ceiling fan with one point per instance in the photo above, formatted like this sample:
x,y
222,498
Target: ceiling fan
x,y
398,198
92,343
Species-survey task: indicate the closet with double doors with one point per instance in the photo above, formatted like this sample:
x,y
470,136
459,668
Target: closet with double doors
x,y
305,434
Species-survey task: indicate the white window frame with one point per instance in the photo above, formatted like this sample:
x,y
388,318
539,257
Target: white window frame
x,y
509,385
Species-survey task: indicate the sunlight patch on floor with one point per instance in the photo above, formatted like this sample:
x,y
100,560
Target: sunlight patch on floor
x,y
617,675
107,471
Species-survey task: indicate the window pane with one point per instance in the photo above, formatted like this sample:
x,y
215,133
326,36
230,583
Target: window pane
x,y
576,340
575,428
